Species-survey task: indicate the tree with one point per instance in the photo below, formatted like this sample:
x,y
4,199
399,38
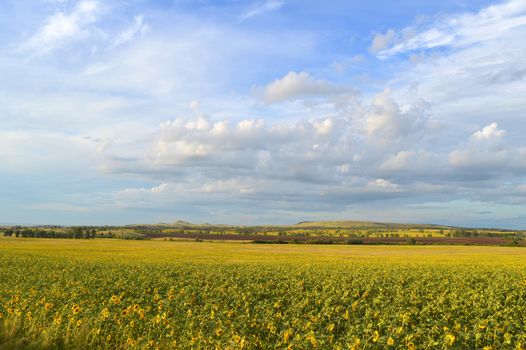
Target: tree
x,y
77,232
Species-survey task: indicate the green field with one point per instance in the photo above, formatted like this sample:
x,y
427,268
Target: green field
x,y
302,232
116,294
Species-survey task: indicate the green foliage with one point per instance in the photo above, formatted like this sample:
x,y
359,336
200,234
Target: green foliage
x,y
354,241
411,241
339,232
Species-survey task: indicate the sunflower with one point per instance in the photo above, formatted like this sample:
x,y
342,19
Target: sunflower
x,y
376,336
75,309
115,299
449,339
286,335
105,313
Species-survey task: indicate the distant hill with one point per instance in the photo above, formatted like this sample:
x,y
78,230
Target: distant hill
x,y
178,224
363,224
337,224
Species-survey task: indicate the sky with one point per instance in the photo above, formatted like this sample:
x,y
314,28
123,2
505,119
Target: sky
x,y
263,112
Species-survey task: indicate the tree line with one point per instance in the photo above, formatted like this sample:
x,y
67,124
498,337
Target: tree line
x,y
73,232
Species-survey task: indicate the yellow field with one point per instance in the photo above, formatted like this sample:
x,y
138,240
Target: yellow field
x,y
157,251
172,294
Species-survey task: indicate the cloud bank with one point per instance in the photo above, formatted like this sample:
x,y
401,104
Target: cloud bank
x,y
133,112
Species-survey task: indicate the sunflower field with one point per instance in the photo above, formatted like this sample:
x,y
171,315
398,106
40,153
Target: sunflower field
x,y
113,294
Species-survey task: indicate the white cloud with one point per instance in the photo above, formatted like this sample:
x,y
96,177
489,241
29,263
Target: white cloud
x,y
267,6
344,168
323,127
401,161
189,139
458,30
478,80
156,189
137,28
387,123
62,28
488,132
298,85
382,184
487,154
141,197
436,134
230,186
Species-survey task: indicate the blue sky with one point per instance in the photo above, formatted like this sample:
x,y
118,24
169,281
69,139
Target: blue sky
x,y
272,111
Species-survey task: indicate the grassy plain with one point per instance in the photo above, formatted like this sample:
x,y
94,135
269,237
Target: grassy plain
x,y
111,294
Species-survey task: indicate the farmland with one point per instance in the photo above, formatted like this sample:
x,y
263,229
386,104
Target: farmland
x,y
339,232
107,293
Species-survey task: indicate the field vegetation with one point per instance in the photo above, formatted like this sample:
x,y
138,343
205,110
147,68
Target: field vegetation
x,y
350,232
130,294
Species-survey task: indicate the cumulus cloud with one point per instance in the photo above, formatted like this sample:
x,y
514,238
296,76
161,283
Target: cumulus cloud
x,y
449,127
400,161
298,85
488,132
260,160
387,123
487,154
251,144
